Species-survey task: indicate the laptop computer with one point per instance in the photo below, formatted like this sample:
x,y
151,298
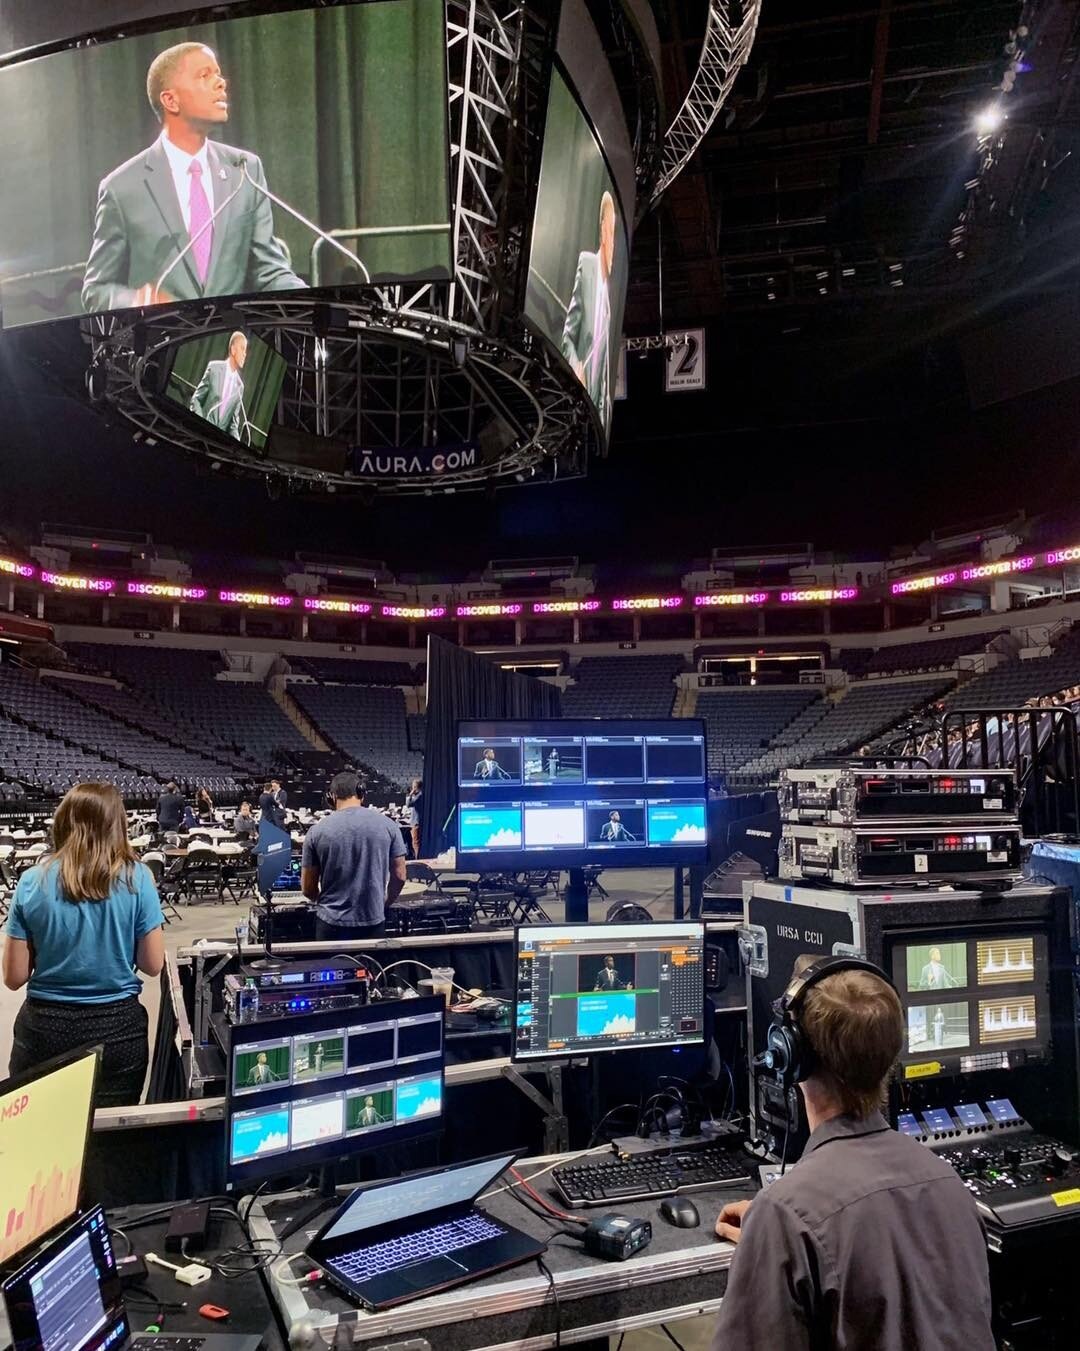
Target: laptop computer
x,y
395,1241
68,1298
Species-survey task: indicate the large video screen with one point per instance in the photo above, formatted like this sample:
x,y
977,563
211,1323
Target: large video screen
x,y
146,169
231,380
579,260
561,794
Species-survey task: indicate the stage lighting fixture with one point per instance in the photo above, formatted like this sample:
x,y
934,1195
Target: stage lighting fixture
x,y
989,120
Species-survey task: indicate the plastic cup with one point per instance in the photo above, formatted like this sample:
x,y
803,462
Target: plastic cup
x,y
442,982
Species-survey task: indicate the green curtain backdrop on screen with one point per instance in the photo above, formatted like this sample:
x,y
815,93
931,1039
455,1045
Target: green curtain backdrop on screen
x,y
245,413
566,228
345,108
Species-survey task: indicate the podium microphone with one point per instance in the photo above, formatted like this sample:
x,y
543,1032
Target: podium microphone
x,y
207,224
329,238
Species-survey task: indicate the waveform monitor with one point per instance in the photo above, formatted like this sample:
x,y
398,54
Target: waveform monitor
x,y
582,988
312,1088
974,1000
616,792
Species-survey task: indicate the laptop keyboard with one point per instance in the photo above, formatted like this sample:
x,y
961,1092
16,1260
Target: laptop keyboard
x,y
395,1253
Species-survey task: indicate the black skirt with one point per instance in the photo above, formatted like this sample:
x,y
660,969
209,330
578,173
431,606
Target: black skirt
x,y
45,1028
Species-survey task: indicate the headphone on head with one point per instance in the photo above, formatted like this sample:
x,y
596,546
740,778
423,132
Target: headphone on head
x,y
788,1055
357,788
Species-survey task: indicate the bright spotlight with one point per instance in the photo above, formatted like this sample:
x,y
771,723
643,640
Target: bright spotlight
x,y
989,120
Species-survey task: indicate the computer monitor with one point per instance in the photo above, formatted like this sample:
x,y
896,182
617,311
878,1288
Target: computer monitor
x,y
583,988
625,792
313,1088
45,1120
974,999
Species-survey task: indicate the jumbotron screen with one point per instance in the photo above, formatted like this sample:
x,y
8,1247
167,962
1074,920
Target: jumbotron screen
x,y
578,265
230,380
161,166
561,794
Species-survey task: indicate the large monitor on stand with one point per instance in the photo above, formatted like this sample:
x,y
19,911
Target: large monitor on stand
x,y
625,793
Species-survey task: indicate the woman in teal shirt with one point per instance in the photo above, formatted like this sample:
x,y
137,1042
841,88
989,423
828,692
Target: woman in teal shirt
x,y
82,922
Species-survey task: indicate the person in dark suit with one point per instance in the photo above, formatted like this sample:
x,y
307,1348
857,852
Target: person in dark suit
x,y
281,801
170,808
267,805
219,395
586,336
162,199
607,978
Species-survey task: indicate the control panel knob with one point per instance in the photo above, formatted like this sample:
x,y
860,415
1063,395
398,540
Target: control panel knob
x,y
1059,1159
1012,1156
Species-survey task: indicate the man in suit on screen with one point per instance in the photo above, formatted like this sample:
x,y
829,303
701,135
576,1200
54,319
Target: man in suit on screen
x,y
162,200
219,395
586,336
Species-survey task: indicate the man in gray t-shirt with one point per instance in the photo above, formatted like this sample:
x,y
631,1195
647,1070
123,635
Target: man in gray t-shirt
x,y
353,865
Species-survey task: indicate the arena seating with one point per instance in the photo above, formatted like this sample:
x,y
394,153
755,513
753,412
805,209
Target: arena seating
x,y
346,671
366,723
234,719
853,660
932,654
741,723
1011,684
622,687
417,730
868,709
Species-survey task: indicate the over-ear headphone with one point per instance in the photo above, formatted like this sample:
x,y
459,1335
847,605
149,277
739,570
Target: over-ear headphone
x,y
356,786
788,1055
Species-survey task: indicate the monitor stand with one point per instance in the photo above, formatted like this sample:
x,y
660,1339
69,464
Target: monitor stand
x,y
325,1199
576,897
268,962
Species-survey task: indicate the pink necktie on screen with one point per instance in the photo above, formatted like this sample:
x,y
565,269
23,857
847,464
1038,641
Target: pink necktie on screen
x,y
200,214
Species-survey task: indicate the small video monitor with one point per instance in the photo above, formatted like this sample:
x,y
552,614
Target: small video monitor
x,y
1006,961
489,761
554,825
937,1027
313,1121
615,759
370,1109
673,759
262,1064
45,1120
1012,1018
969,1114
319,1055
554,759
615,824
483,828
906,1124
936,966
607,987
309,1089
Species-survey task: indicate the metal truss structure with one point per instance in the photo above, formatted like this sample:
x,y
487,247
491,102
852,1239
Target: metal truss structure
x,y
402,370
729,36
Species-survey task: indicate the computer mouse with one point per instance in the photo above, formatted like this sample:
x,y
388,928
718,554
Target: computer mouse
x,y
680,1211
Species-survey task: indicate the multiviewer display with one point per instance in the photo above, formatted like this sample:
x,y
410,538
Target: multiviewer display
x,y
625,793
173,159
579,260
230,380
973,1003
607,987
323,1086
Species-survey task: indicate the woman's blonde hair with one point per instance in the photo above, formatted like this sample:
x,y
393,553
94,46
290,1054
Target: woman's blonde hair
x,y
90,842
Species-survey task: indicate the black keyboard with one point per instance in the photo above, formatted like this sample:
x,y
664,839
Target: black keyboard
x,y
644,1177
395,1253
176,1341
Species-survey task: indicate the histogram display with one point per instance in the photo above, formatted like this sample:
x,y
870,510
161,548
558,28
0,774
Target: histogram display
x,y
43,1127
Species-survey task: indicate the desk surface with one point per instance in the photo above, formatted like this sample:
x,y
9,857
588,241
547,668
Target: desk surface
x,y
682,1274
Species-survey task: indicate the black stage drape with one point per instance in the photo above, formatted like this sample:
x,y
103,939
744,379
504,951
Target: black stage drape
x,y
461,685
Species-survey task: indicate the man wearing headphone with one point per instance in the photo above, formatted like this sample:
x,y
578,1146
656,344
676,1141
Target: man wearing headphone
x,y
353,865
871,1241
